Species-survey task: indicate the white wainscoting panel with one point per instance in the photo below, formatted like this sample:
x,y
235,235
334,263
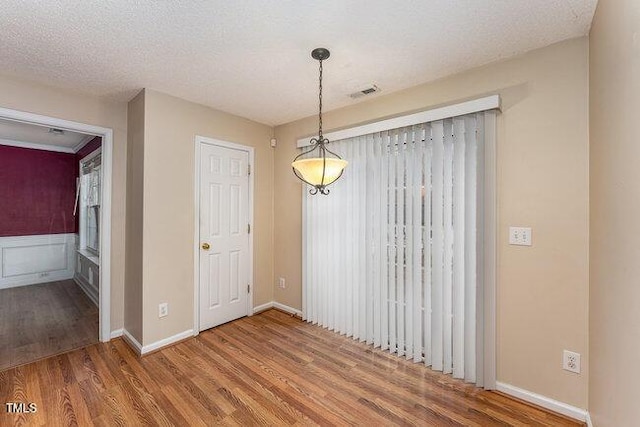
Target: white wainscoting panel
x,y
87,275
27,260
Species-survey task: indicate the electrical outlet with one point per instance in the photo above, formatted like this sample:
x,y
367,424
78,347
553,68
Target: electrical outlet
x,y
571,361
520,236
281,283
163,309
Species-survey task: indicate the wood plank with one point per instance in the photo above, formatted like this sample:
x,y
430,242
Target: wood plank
x,y
270,369
43,320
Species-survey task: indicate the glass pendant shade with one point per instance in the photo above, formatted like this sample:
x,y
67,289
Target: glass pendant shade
x,y
319,171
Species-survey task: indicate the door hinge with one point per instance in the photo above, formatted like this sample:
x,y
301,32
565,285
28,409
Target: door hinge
x,y
248,228
248,288
248,169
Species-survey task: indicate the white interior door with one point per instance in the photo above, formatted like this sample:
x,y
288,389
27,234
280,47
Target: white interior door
x,y
224,235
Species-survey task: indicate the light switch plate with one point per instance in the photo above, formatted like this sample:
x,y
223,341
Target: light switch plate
x,y
520,236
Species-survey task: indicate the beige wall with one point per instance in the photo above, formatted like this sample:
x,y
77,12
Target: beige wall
x,y
542,182
171,125
615,212
40,99
135,197
542,151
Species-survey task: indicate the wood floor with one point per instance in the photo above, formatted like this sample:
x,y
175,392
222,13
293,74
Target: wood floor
x,y
269,369
38,321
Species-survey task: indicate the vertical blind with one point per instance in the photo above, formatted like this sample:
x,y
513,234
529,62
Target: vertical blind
x,y
391,255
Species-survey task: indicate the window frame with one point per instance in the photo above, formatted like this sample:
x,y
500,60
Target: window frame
x,y
84,209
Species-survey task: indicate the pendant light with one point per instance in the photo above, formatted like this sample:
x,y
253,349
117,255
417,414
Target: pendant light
x,y
323,167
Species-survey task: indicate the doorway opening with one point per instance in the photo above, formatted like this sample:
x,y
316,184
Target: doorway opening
x,y
55,236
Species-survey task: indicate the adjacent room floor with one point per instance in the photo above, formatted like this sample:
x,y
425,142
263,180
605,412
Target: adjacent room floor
x,y
43,320
268,369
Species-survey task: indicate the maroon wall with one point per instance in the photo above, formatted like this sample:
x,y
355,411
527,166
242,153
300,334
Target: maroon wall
x,y
89,148
37,191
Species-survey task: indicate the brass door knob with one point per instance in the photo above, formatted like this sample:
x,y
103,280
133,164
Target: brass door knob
x,y
205,246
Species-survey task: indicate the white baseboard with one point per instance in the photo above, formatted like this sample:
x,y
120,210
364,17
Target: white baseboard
x,y
274,304
545,402
589,422
116,333
288,309
263,307
142,350
167,341
137,347
31,280
88,290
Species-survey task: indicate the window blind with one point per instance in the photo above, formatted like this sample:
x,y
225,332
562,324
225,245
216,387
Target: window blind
x,y
392,256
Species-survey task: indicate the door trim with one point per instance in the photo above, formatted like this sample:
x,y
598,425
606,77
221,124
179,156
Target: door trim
x,y
199,142
105,216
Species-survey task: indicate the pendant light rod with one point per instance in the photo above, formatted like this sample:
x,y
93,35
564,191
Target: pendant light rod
x,y
319,171
320,54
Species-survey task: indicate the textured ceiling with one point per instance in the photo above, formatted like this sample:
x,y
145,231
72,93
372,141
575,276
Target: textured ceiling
x,y
34,134
251,57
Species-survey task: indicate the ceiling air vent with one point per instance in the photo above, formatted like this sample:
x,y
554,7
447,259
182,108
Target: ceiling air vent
x,y
56,131
364,92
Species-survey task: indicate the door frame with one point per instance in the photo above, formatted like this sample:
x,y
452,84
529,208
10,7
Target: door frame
x,y
104,303
199,142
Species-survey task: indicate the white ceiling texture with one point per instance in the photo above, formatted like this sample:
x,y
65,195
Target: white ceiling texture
x,y
252,57
28,135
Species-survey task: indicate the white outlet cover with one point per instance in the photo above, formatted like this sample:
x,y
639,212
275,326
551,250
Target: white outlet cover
x,y
520,236
571,361
163,309
281,283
